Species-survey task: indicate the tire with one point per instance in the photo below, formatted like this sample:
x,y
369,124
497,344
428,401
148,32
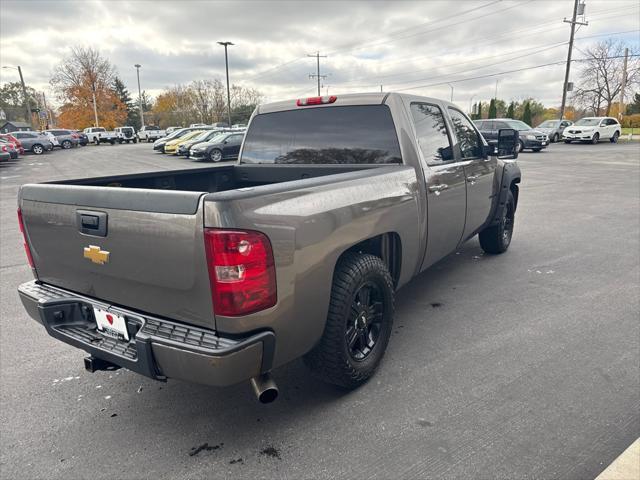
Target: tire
x,y
215,155
66,144
135,140
148,140
567,141
615,137
520,146
112,142
555,138
536,149
595,139
37,149
496,239
96,141
358,324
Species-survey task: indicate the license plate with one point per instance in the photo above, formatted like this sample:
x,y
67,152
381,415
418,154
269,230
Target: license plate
x,y
111,324
544,143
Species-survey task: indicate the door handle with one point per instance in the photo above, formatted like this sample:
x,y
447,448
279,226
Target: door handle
x,y
438,188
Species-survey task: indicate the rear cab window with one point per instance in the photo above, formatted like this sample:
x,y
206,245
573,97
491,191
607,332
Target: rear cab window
x,y
356,134
468,138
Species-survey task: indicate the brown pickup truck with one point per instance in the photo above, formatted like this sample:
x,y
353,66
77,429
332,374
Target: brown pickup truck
x,y
219,275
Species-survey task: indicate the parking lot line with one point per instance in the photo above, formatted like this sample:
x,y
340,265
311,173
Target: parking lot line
x,y
626,466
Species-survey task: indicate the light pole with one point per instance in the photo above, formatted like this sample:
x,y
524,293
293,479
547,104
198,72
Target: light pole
x,y
226,63
137,65
27,104
470,105
451,87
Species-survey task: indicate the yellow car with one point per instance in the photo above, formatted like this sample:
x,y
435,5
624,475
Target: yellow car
x,y
172,147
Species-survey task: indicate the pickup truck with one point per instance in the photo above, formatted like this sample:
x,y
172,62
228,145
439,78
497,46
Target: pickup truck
x,y
150,133
218,275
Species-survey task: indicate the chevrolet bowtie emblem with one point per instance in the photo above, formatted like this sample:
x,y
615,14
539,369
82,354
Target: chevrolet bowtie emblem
x,y
96,254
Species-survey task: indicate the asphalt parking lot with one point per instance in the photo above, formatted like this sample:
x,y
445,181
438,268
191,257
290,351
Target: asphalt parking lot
x,y
523,365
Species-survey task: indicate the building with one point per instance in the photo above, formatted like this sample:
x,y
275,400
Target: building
x,y
8,127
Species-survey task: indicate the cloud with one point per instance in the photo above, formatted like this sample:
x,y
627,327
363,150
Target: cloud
x,y
399,45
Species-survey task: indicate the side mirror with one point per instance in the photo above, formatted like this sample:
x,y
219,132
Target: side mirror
x,y
508,139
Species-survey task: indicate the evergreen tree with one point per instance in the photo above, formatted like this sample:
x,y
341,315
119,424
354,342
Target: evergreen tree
x,y
511,110
479,114
634,106
526,114
492,109
125,97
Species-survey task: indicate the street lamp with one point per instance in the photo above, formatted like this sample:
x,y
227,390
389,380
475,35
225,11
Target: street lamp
x,y
137,65
27,104
226,63
470,107
451,87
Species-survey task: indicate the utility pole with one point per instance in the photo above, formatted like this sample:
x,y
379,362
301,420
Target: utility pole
x,y
317,74
44,102
573,23
226,63
95,107
380,88
624,83
470,105
495,95
451,87
137,65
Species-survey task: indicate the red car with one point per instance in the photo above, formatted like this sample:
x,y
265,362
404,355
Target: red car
x,y
14,140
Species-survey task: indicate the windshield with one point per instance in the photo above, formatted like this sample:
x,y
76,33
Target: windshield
x,y
549,124
363,134
588,121
517,125
175,133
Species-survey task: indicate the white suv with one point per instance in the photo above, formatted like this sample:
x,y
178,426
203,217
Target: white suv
x,y
593,129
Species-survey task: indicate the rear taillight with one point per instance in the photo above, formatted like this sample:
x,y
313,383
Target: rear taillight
x,y
75,135
24,237
4,148
241,271
304,102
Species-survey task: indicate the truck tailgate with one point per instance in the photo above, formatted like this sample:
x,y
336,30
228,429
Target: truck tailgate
x,y
150,256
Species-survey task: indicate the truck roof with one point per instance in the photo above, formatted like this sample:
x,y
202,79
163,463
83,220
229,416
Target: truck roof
x,y
376,98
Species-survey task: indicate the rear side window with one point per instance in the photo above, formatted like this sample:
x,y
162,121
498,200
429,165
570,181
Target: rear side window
x,y
431,133
361,134
468,138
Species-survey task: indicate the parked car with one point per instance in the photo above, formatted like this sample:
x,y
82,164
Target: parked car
x,y
9,147
150,133
593,129
193,125
169,130
553,129
106,136
4,156
159,144
220,275
222,147
529,138
15,141
92,133
171,147
34,142
203,137
126,135
239,125
83,139
66,138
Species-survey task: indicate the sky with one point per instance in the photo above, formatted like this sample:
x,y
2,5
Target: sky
x,y
432,48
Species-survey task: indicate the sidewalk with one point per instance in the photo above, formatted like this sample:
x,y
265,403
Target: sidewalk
x,y
626,466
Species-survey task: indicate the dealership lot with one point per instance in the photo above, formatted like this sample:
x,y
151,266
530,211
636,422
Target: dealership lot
x,y
520,365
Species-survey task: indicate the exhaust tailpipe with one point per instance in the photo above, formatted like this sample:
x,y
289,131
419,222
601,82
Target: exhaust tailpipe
x,y
265,388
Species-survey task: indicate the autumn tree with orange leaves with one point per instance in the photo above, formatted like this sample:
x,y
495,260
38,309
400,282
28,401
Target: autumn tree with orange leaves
x,y
80,78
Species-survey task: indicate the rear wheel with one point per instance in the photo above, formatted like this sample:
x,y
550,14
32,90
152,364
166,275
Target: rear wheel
x,y
215,155
614,139
596,138
497,238
555,138
520,146
37,149
358,324
96,141
66,144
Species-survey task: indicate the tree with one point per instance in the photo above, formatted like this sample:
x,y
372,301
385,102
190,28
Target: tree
x,y
133,111
12,101
511,110
601,76
84,81
634,106
479,114
492,109
526,114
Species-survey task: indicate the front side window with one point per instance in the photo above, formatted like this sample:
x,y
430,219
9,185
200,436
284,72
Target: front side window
x,y
431,133
468,138
357,134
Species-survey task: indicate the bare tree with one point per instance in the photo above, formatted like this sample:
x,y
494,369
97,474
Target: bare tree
x,y
601,76
83,67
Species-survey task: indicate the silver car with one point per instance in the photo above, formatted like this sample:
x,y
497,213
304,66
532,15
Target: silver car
x,y
554,128
34,142
66,138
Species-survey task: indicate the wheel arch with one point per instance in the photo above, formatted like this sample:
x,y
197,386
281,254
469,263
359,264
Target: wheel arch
x,y
387,246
